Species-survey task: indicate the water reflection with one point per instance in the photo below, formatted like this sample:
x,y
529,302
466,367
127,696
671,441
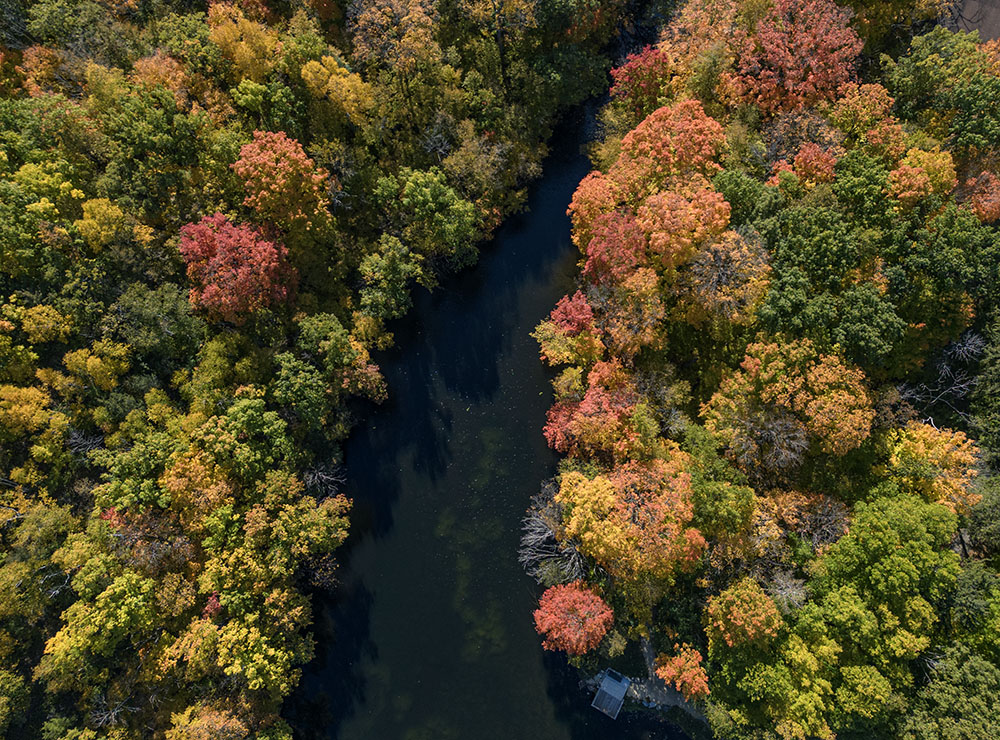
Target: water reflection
x,y
430,634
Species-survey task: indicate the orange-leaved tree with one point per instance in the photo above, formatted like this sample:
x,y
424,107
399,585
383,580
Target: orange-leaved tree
x,y
784,400
635,522
283,185
684,671
740,615
572,618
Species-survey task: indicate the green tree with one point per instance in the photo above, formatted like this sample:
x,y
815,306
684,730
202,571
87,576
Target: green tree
x,y
156,324
430,217
387,275
82,655
984,520
958,702
881,585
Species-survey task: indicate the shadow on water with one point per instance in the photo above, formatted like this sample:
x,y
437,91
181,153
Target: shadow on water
x,y
429,634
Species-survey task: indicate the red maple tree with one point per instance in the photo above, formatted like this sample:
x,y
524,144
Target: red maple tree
x,y
573,315
641,79
675,140
233,268
572,618
617,247
801,53
599,423
985,199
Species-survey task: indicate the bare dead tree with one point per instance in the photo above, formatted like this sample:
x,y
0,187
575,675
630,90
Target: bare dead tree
x,y
15,515
438,136
81,443
786,133
825,523
787,591
51,591
324,480
955,378
148,543
546,557
110,713
768,443
13,28
955,17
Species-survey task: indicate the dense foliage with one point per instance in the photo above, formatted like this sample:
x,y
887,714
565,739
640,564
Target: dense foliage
x,y
777,382
208,213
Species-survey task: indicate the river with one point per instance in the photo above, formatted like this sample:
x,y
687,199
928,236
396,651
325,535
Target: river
x,y
429,635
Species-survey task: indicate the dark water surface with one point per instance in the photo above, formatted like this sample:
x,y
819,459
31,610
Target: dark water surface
x,y
430,635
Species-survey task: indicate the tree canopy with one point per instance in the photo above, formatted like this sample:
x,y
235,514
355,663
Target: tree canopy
x,y
775,380
209,214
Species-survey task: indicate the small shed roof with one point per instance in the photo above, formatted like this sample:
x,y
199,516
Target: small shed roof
x,y
611,694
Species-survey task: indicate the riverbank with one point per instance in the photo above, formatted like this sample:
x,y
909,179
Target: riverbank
x,y
429,632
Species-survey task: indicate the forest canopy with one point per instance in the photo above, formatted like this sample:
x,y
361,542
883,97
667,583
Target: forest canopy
x,y
209,213
775,385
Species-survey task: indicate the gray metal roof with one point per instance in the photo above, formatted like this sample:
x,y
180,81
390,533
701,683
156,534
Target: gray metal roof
x,y
611,694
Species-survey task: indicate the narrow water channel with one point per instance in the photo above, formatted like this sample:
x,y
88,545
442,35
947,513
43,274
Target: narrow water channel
x,y
430,636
